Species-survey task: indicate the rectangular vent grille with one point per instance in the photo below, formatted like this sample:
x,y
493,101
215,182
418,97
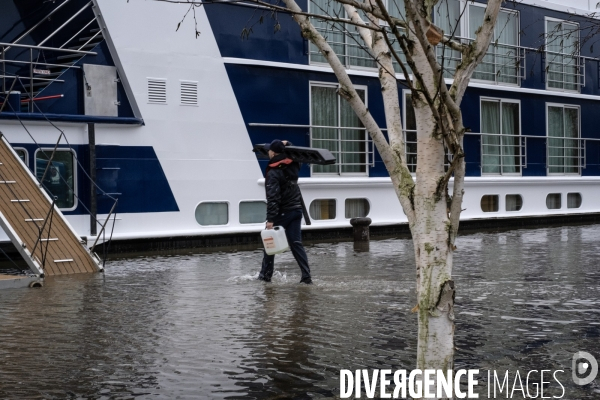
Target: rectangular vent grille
x,y
189,93
157,91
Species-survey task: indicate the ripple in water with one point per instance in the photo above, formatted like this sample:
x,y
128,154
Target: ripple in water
x,y
201,326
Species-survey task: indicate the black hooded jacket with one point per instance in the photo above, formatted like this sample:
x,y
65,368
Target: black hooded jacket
x,y
281,186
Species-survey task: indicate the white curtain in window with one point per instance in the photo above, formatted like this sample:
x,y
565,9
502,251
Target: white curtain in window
x,y
358,52
353,141
506,52
511,162
252,212
562,55
500,64
553,201
334,35
212,214
396,8
486,69
490,123
514,202
570,34
446,16
324,112
556,154
571,146
573,200
322,209
356,208
349,146
554,55
563,148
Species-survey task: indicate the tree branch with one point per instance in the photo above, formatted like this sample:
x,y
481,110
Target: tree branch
x,y
475,51
272,7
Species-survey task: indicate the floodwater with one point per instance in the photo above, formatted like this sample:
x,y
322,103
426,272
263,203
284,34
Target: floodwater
x,y
198,326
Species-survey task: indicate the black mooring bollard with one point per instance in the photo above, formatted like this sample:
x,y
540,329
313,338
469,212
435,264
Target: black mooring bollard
x,y
360,227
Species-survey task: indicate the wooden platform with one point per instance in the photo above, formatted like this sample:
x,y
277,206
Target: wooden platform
x,y
24,208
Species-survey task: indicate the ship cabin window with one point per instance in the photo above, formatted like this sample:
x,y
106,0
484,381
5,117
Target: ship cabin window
x,y
357,208
335,126
322,209
57,177
553,201
564,150
344,39
253,212
500,140
573,200
514,202
212,213
489,203
564,69
446,16
22,153
503,64
504,61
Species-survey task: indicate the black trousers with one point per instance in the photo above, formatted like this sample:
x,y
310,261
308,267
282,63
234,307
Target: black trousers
x,y
290,221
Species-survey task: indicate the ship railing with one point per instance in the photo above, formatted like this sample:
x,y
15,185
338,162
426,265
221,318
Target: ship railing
x,y
563,71
564,155
67,22
502,64
352,147
502,153
509,150
34,27
35,68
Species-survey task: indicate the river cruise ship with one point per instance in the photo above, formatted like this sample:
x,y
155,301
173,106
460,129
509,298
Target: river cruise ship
x,y
146,111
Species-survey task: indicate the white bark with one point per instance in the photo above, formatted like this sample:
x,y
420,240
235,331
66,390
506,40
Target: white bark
x,y
432,217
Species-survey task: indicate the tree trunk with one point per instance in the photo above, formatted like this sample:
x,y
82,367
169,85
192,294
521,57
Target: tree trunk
x,y
433,248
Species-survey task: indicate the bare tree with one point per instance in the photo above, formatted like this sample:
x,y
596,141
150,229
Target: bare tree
x,y
433,211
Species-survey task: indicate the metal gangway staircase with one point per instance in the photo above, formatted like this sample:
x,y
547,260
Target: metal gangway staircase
x,y
34,223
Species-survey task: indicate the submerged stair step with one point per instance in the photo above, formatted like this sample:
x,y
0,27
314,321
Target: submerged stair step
x,y
85,39
87,46
69,56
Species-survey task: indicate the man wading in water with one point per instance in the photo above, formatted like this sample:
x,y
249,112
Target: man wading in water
x,y
284,207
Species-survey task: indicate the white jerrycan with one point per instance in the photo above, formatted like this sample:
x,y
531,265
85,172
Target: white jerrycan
x,y
274,240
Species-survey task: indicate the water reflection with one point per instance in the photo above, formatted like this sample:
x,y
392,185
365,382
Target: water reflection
x,y
200,326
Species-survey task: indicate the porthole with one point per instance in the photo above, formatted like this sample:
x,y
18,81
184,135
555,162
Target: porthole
x,y
553,201
573,200
357,208
212,213
253,212
514,202
22,153
489,203
322,209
